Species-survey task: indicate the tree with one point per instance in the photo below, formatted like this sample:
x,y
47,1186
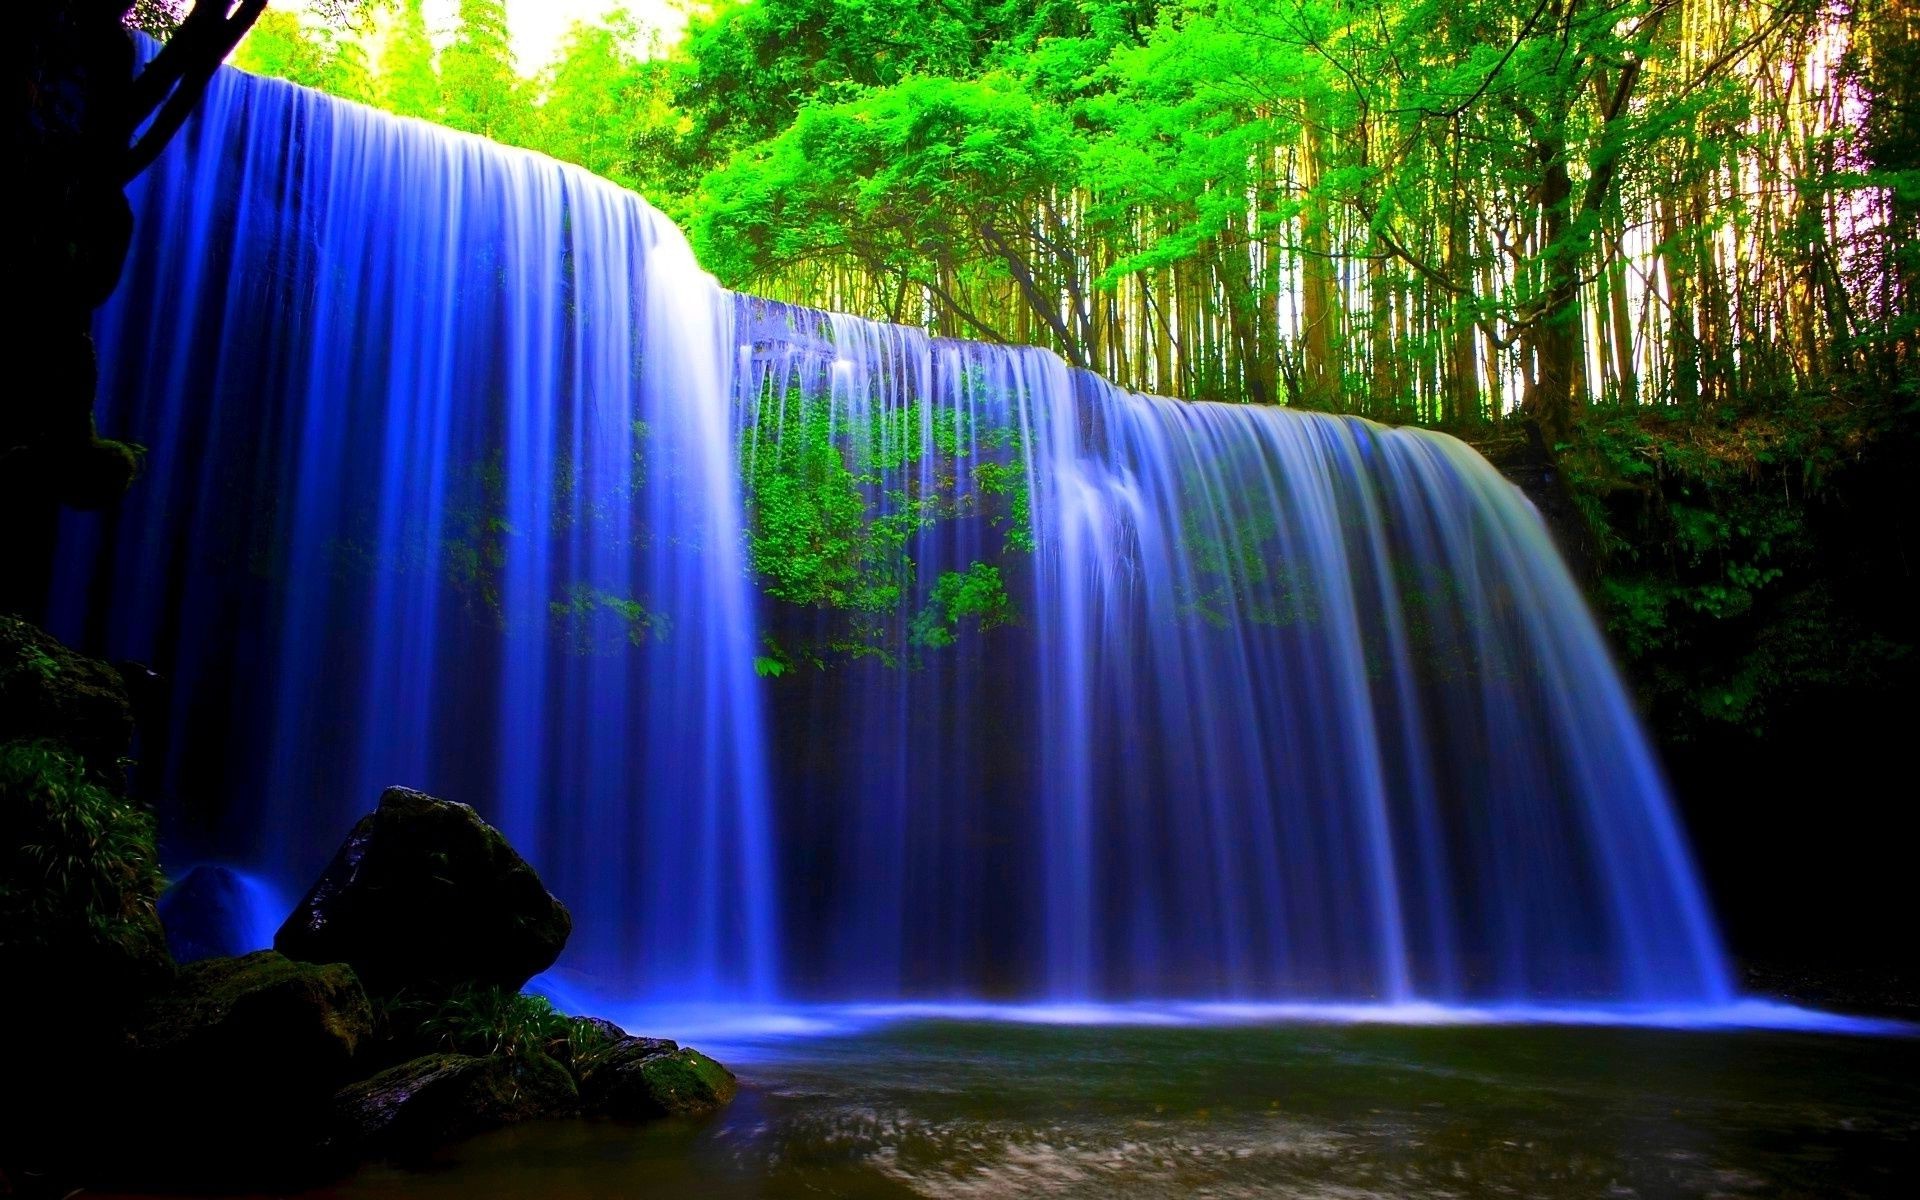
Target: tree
x,y
480,91
317,57
1417,210
408,81
917,182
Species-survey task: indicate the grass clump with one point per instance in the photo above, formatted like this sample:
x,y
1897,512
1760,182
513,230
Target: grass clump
x,y
74,856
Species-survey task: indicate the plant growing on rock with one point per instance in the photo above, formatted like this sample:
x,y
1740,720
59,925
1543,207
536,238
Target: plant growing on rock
x,y
481,1019
76,856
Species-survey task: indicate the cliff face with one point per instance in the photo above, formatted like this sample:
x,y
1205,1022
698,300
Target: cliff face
x,y
69,68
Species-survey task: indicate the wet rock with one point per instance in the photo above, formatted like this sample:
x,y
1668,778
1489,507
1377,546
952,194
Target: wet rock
x,y
424,896
410,1109
638,1078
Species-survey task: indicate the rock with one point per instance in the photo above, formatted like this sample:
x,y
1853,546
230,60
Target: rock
x,y
216,912
424,895
427,1102
146,692
584,1035
261,1024
652,1077
228,1076
48,692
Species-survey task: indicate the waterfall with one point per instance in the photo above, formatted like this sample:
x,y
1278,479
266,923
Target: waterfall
x,y
440,492
811,658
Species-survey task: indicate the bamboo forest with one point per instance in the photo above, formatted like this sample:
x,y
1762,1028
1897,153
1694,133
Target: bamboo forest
x,y
1088,598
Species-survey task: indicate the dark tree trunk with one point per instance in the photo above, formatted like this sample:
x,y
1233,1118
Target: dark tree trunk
x,y
1552,341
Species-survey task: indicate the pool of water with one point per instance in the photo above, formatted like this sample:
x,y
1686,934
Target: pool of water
x,y
973,1108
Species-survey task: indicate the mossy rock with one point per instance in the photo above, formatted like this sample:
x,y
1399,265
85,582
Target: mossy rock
x,y
50,693
263,1002
641,1078
226,1078
411,1109
583,1037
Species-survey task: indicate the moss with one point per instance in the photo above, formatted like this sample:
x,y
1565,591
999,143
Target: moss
x,y
687,1081
427,1102
641,1078
333,1005
78,703
99,473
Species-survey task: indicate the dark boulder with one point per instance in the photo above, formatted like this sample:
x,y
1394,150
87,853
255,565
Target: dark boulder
x,y
49,693
214,912
638,1078
410,1109
423,896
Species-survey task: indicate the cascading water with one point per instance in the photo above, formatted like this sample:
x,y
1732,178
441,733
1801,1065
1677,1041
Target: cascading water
x,y
815,659
1310,707
440,491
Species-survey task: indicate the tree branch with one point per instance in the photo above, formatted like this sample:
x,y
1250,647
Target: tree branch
x,y
176,80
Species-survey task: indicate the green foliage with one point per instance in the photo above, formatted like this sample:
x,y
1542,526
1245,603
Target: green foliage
x,y
905,178
39,663
586,615
409,79
607,105
312,55
975,594
586,1043
1717,579
73,855
483,1019
811,539
1241,573
480,91
835,504
1146,185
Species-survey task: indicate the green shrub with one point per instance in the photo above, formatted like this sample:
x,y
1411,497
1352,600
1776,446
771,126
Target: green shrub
x,y
74,857
587,1044
483,1019
1743,556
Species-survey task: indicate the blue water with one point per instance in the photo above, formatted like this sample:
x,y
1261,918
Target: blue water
x,y
456,481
